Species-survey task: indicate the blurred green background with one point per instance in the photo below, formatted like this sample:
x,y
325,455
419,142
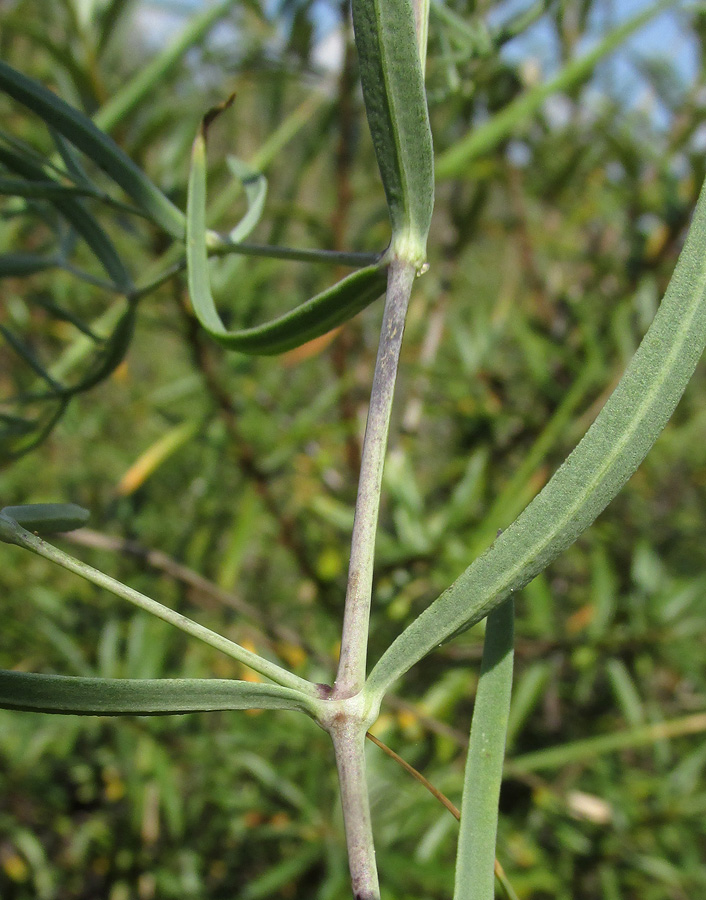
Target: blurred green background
x,y
224,485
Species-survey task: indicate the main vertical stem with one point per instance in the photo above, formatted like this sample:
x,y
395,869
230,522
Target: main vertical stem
x,y
349,745
354,641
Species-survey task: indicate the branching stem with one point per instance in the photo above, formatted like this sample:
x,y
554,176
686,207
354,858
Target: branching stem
x,y
354,641
257,663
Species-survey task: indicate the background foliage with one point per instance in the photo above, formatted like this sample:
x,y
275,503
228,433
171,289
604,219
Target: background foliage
x,y
548,258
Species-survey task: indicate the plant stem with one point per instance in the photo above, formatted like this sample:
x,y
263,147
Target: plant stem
x,y
348,738
252,660
354,641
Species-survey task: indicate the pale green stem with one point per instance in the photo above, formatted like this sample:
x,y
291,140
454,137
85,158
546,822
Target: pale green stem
x,y
354,640
252,660
348,738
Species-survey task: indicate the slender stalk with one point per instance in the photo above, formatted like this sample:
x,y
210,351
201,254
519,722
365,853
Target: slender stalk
x,y
354,640
225,248
348,738
252,660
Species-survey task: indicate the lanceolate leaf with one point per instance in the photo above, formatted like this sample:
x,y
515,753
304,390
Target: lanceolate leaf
x,y
610,452
475,860
309,320
101,149
396,107
139,697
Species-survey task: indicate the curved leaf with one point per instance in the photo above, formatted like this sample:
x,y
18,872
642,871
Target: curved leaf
x,y
606,457
396,107
309,320
74,695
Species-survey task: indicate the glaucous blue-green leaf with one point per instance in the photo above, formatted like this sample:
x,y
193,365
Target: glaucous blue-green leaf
x,y
475,859
74,695
606,457
311,319
47,518
396,107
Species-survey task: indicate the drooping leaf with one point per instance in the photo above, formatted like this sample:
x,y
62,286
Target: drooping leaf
x,y
309,320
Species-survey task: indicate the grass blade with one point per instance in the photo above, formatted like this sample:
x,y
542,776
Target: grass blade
x,y
81,696
475,862
101,149
309,320
596,470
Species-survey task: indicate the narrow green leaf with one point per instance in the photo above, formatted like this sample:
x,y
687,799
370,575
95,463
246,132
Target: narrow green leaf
x,y
77,215
606,457
309,320
396,107
487,136
475,861
39,190
72,695
130,95
255,187
19,265
47,518
26,354
101,149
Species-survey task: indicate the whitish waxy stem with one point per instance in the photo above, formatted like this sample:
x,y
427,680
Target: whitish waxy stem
x,y
354,640
348,738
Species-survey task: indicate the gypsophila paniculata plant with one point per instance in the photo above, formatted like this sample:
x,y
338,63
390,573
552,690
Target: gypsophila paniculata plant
x,y
391,41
